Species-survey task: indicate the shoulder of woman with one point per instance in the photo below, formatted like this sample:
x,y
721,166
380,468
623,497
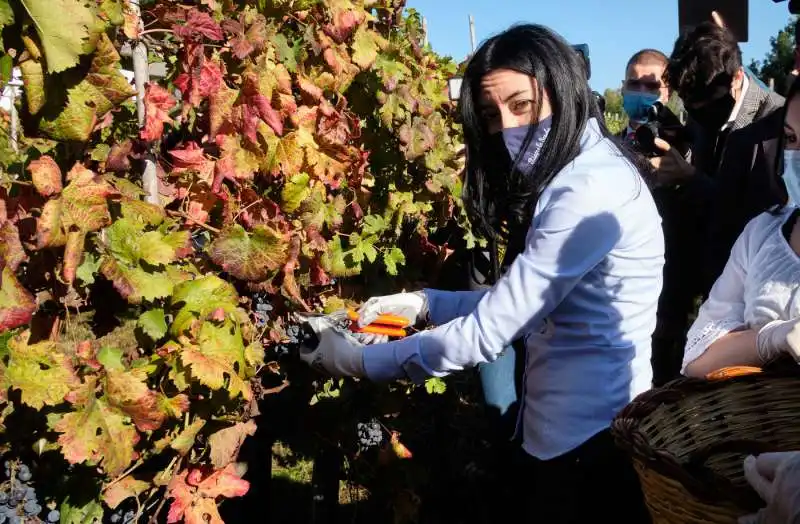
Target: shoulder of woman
x,y
759,229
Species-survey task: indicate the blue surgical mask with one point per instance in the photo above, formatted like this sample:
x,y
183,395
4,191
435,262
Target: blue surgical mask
x,y
791,174
636,104
514,138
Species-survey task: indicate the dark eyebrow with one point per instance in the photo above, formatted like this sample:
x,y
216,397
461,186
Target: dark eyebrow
x,y
514,95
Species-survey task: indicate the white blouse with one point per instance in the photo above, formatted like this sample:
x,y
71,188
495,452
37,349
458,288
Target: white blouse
x,y
759,284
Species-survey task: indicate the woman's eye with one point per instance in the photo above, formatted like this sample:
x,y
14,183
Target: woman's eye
x,y
521,105
791,139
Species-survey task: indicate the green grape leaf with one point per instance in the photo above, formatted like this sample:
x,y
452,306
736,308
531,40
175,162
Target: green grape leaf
x,y
435,386
392,258
295,191
40,371
153,323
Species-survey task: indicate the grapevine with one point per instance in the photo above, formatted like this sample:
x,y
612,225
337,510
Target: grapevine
x,y
306,157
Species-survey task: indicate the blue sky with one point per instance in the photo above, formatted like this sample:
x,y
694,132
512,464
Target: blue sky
x,y
614,29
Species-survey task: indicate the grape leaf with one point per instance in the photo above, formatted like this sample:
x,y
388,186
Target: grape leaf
x,y
195,503
6,14
127,391
153,322
89,513
46,176
157,102
66,28
100,91
95,433
200,297
225,443
435,386
366,45
88,268
33,78
73,254
12,254
184,441
16,303
144,213
40,371
135,283
198,25
217,355
392,258
247,256
124,489
295,191
129,244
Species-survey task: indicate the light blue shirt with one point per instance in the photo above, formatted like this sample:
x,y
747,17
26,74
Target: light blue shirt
x,y
583,295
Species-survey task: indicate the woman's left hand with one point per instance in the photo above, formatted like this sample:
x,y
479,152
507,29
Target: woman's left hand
x,y
337,352
776,478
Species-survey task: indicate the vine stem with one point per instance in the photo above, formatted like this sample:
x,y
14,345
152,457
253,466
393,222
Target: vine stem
x,y
187,217
154,516
155,30
124,474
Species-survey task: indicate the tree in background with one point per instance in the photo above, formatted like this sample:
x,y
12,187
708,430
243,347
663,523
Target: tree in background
x,y
779,62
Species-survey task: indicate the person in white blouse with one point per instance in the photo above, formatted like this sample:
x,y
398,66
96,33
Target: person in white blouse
x,y
581,295
752,314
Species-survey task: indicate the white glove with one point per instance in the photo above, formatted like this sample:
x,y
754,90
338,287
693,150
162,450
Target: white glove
x,y
338,353
779,336
412,306
776,478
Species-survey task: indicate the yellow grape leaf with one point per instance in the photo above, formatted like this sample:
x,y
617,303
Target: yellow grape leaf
x,y
295,190
46,176
33,77
366,45
216,356
225,443
96,433
42,373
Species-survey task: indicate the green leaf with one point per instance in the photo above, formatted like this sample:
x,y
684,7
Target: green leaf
x,y
90,513
6,14
40,371
287,54
88,268
365,47
374,225
111,358
66,28
435,386
134,283
295,190
200,297
393,258
154,323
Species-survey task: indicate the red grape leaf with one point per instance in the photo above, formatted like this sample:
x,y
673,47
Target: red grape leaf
x,y
16,303
157,102
198,25
127,391
196,504
46,176
12,253
73,254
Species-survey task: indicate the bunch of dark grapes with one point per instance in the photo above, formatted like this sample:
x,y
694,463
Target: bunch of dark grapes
x,y
261,308
18,499
118,517
370,434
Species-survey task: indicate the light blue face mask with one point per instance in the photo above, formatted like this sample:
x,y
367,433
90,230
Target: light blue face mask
x,y
514,138
791,174
636,104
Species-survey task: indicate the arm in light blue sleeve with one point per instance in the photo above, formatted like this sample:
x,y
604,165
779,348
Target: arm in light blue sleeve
x,y
444,306
565,245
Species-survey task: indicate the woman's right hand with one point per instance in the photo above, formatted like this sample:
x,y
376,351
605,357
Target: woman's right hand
x,y
411,306
779,336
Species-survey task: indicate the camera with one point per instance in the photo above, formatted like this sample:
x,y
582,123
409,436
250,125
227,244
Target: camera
x,y
664,124
794,6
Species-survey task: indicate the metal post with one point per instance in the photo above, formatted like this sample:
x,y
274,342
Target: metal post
x,y
472,32
424,32
141,73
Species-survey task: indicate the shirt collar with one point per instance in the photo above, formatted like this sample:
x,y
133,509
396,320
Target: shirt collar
x,y
738,106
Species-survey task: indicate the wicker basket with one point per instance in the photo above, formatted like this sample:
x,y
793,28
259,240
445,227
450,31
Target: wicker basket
x,y
689,438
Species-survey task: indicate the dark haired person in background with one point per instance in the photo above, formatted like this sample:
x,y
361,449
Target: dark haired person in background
x,y
723,178
581,294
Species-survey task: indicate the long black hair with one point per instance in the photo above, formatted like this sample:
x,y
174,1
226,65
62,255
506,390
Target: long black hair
x,y
509,197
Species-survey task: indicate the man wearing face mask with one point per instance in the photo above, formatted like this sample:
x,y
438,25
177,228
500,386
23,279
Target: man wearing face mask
x,y
725,176
644,86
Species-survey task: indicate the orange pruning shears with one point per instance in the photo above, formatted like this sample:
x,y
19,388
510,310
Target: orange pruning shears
x,y
389,325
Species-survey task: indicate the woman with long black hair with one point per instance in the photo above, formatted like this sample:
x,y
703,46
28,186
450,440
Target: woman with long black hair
x,y
581,294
